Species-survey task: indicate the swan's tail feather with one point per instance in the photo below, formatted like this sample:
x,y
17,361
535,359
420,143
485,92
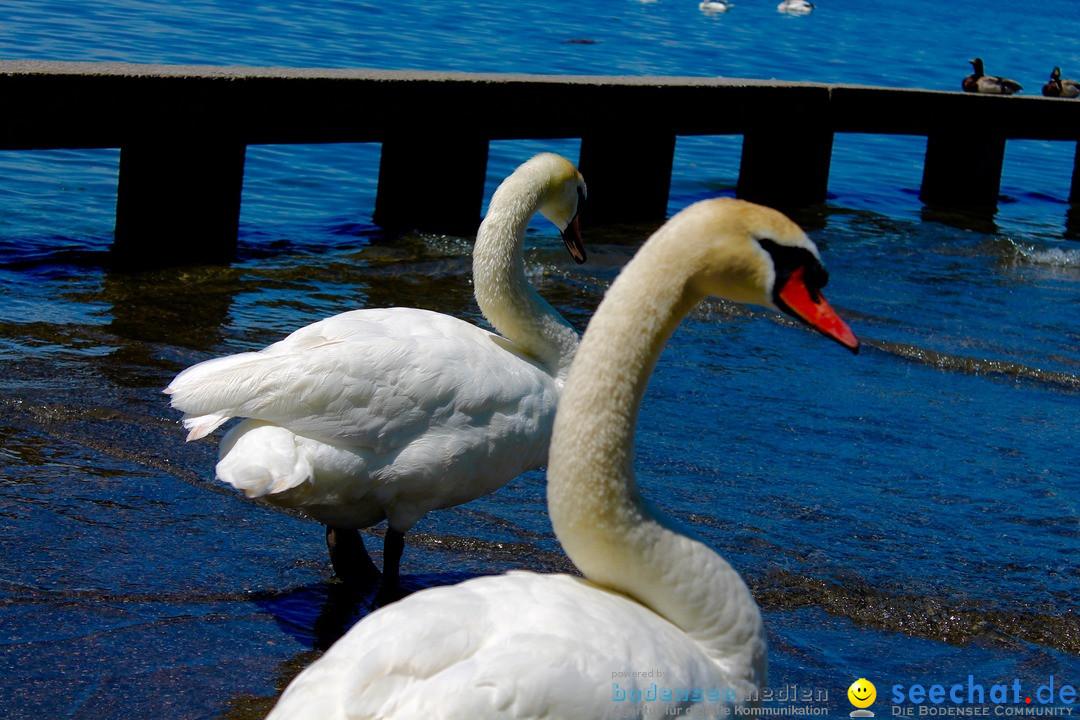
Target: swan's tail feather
x,y
202,425
262,459
211,392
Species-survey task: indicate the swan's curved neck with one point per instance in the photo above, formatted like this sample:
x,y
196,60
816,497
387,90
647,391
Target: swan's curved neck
x,y
606,528
502,290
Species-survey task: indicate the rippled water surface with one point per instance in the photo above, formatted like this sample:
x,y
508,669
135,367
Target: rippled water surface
x,y
908,515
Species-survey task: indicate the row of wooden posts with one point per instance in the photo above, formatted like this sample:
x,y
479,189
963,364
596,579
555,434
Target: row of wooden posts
x,y
183,132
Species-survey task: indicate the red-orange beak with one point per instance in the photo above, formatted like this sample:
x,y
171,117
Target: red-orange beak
x,y
796,299
571,237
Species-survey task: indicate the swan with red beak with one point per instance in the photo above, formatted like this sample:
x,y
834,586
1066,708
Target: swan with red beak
x,y
529,645
797,291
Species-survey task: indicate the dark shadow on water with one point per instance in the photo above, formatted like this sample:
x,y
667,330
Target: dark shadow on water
x,y
617,233
811,218
978,219
1072,223
54,252
317,615
160,305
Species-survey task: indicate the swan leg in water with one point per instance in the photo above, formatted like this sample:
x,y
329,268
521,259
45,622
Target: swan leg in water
x,y
389,413
393,547
354,566
349,557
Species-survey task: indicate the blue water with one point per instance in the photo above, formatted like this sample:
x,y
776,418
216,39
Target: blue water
x,y
909,515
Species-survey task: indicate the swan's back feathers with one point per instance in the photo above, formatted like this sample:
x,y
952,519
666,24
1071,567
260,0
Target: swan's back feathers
x,y
428,410
371,379
582,645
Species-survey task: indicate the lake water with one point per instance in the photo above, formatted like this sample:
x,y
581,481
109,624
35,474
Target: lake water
x,y
910,515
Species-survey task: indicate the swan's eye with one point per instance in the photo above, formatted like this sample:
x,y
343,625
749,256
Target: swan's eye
x,y
787,259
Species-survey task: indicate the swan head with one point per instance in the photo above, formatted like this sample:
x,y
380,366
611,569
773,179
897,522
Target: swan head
x,y
561,199
753,254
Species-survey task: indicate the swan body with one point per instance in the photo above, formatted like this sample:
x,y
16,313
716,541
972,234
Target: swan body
x,y
525,645
978,82
713,7
796,7
330,423
1058,86
391,413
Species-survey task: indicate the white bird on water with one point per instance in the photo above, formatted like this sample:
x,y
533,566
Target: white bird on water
x,y
390,413
525,645
795,7
713,7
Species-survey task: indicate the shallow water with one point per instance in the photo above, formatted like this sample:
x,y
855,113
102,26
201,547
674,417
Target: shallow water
x,y
915,501
909,515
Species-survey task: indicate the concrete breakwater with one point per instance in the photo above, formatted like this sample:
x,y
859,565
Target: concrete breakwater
x,y
183,131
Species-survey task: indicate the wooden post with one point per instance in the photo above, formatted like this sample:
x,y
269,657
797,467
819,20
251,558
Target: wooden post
x,y
432,183
178,201
963,168
784,170
1072,222
787,148
1074,191
628,175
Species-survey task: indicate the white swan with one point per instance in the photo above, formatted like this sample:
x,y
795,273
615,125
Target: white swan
x,y
523,645
712,7
390,413
796,7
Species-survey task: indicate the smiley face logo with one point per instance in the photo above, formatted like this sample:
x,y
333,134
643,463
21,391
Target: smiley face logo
x,y
862,693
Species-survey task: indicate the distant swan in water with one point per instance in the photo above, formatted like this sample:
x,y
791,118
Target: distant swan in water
x,y
714,6
390,413
1060,87
978,82
796,7
526,645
